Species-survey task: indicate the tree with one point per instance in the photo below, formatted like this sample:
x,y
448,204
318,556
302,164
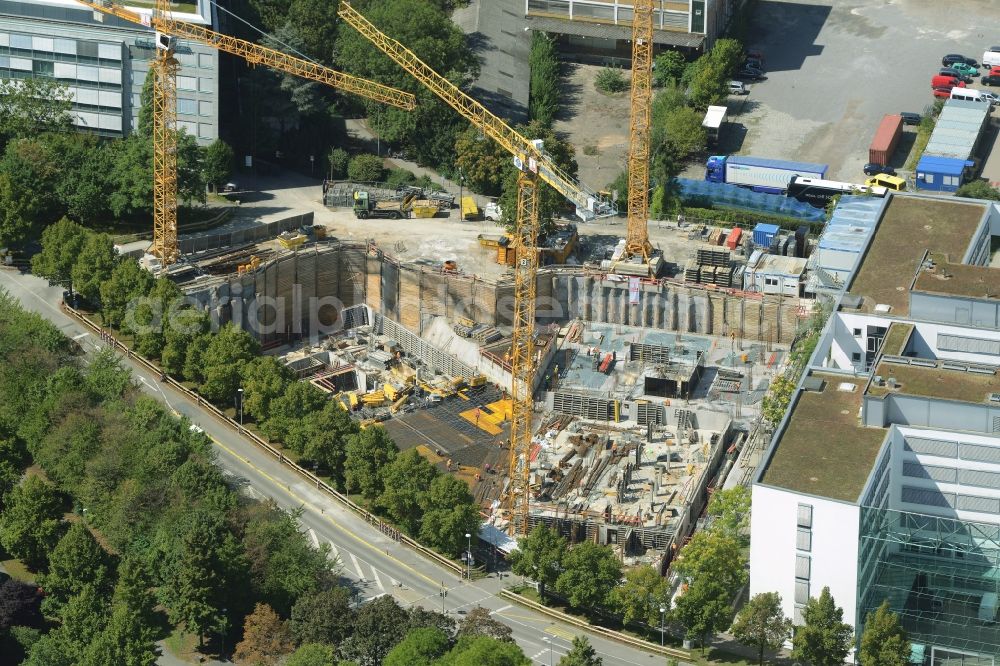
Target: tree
x,y
337,161
129,281
543,94
730,512
191,183
539,556
978,189
132,175
379,625
484,651
30,522
479,622
884,641
727,53
312,654
180,331
286,413
481,160
665,168
702,609
824,639
194,368
668,68
265,638
581,653
762,624
33,106
125,641
20,605
708,83
61,245
550,201
777,399
366,453
94,266
366,168
641,596
29,183
323,616
265,378
421,647
223,360
421,618
325,432
405,480
217,163
77,560
449,513
683,128
590,572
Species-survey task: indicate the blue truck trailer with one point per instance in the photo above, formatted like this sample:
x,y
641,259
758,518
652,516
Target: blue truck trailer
x,y
760,174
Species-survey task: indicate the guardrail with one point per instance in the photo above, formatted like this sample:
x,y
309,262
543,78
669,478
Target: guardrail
x,y
370,518
610,634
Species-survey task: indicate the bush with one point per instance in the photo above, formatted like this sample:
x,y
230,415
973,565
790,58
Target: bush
x,y
338,159
399,177
610,80
668,68
366,168
979,189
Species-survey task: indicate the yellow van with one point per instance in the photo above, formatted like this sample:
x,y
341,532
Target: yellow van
x,y
887,181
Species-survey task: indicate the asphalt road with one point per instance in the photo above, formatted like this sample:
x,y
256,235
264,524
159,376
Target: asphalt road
x,y
371,562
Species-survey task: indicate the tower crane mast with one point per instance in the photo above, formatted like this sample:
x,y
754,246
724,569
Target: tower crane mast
x,y
637,237
164,70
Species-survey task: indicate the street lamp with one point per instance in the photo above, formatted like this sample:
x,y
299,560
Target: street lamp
x,y
239,394
548,641
225,625
663,612
468,555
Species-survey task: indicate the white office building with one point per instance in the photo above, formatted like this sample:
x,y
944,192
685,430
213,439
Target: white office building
x,y
104,61
883,480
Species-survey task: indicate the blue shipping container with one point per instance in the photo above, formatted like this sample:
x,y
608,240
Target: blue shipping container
x,y
763,234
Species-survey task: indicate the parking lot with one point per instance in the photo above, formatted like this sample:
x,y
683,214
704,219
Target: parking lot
x,y
834,71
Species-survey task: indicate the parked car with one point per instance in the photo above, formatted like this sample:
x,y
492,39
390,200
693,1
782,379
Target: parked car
x,y
995,49
952,58
954,73
991,80
965,69
751,73
941,91
885,180
873,169
910,118
945,81
738,88
994,71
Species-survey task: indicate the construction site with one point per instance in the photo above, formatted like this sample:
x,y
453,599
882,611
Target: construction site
x,y
602,388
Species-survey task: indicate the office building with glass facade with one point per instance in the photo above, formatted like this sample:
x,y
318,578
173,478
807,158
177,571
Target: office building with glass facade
x,y
103,60
883,480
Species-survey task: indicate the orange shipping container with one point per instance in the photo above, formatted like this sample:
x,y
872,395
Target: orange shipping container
x,y
886,138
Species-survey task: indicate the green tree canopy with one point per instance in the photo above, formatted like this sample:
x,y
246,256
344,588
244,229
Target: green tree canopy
x,y
287,411
978,189
366,169
421,647
94,266
367,453
824,639
778,397
550,202
265,379
76,561
217,163
312,654
682,127
223,360
730,512
590,572
405,480
379,625
32,106
668,68
128,282
762,624
539,556
484,651
641,596
479,622
481,160
30,525
543,93
884,642
61,246
581,653
323,616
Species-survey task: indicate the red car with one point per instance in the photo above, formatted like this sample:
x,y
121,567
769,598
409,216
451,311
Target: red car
x,y
941,91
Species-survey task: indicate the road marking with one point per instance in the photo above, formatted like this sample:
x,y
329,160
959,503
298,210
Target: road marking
x,y
500,610
334,549
82,335
393,581
357,566
312,536
560,632
378,581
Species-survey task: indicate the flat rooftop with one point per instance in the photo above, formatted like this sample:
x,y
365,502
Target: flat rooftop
x,y
959,279
911,226
824,450
936,382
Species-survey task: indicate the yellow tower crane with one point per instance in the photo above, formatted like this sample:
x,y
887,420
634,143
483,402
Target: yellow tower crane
x,y
637,239
164,71
534,165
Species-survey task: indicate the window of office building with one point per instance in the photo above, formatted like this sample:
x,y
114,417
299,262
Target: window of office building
x,y
204,60
206,85
205,131
187,83
188,107
204,108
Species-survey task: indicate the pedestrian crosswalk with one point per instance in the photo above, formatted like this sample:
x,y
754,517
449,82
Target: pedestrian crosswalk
x,y
357,568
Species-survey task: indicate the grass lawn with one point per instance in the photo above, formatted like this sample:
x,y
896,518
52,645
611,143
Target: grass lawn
x,y
17,571
183,645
